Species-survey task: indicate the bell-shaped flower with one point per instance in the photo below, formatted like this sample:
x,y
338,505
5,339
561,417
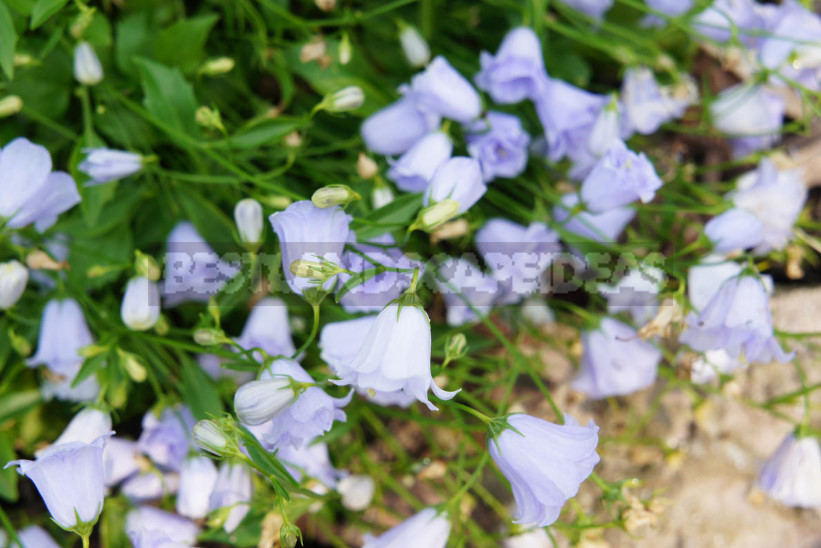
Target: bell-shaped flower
x,y
398,126
441,90
517,70
69,477
120,460
149,485
413,171
193,271
499,143
606,132
146,522
63,332
267,328
310,415
737,319
534,538
395,356
545,463
775,111
620,177
517,255
601,227
791,46
568,115
140,310
257,402
705,278
594,8
459,179
428,528
646,104
166,439
357,492
734,229
31,192
87,68
86,426
104,165
636,293
198,476
724,17
13,280
792,475
340,342
33,536
155,539
744,110
310,461
375,292
233,490
467,290
307,232
616,361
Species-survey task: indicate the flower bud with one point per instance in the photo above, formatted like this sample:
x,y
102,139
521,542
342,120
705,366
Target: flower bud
x,y
456,348
436,214
313,50
146,265
289,535
40,260
19,344
13,279
133,366
325,5
332,195
345,50
140,309
416,49
344,100
365,166
208,436
209,118
87,68
356,491
215,67
381,196
162,326
292,140
10,105
258,402
209,336
248,216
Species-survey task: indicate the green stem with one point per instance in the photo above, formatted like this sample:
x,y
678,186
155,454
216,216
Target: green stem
x,y
314,331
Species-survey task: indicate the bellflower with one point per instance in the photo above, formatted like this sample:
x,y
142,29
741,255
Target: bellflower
x,y
340,342
396,356
620,177
140,310
775,111
166,439
466,287
33,536
441,90
636,293
646,104
594,8
458,179
13,280
720,19
193,271
396,128
738,320
545,463
499,143
606,131
155,539
87,68
427,528
705,279
69,477
517,70
792,475
793,45
233,490
86,426
31,192
311,461
413,171
534,538
267,328
601,227
150,485
745,110
305,232
517,255
310,415
616,361
198,476
145,519
104,165
734,229
119,460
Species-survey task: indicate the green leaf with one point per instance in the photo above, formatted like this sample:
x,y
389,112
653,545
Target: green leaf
x,y
8,42
16,403
199,393
265,460
267,132
209,219
389,217
182,44
133,41
8,476
44,9
169,97
90,367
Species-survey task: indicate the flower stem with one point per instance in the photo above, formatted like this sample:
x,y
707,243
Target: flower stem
x,y
314,331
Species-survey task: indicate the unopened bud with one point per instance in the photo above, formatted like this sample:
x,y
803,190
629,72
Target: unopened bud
x,y
87,68
366,166
146,265
257,402
325,5
19,344
40,260
162,327
208,436
381,196
209,118
13,280
416,49
345,50
436,214
344,100
215,67
293,140
132,365
313,50
10,105
208,336
332,195
140,309
23,60
277,202
91,350
302,268
289,535
248,216
456,348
